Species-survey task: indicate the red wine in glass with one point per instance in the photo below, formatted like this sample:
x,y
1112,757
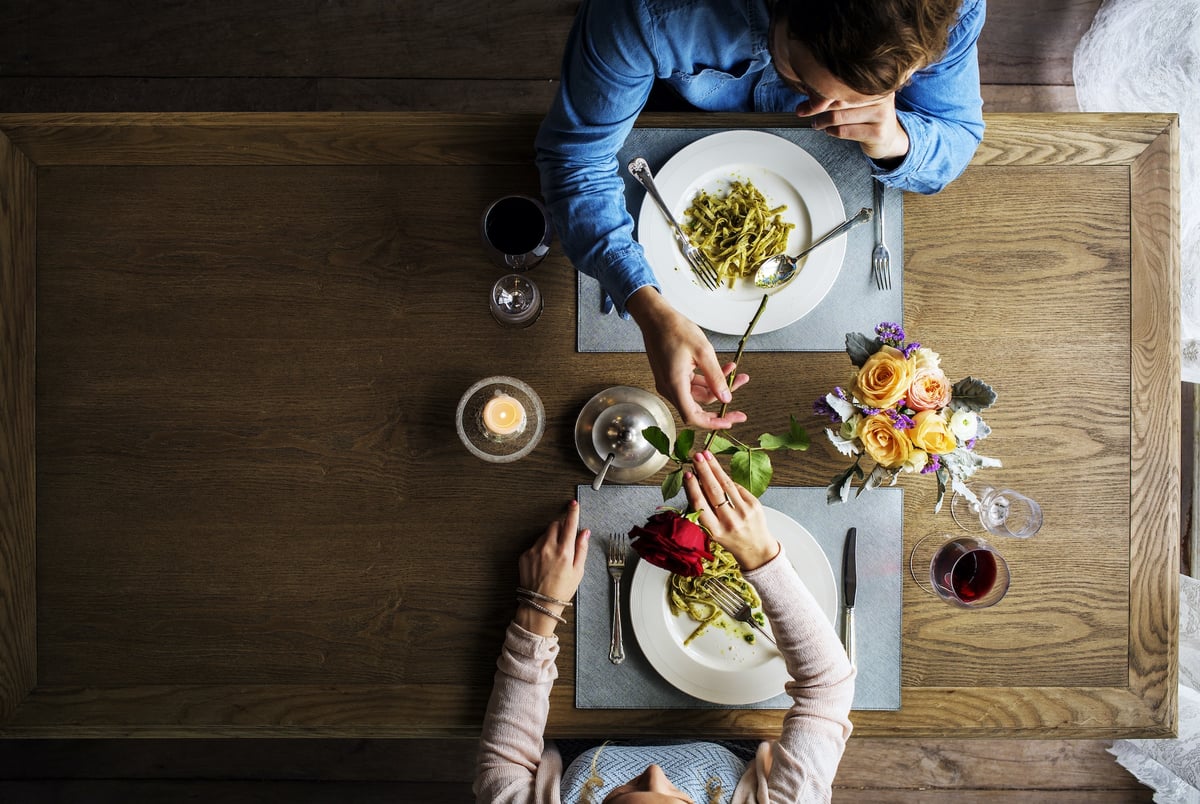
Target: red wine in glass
x,y
966,571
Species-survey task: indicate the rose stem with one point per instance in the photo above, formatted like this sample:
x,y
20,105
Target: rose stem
x,y
737,359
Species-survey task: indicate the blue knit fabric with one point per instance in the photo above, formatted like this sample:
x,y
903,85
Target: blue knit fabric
x,y
689,766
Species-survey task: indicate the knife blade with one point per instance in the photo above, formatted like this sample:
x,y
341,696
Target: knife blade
x,y
849,591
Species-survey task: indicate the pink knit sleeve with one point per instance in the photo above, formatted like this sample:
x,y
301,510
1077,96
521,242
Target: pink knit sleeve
x,y
510,747
801,765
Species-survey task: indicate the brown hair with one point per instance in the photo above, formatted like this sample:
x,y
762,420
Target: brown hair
x,y
871,45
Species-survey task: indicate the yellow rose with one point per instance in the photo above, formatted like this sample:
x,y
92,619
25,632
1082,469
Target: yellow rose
x,y
887,446
931,433
884,378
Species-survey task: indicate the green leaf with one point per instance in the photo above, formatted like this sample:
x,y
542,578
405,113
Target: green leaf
x,y
752,470
860,347
683,444
797,436
722,446
971,394
658,439
672,483
768,441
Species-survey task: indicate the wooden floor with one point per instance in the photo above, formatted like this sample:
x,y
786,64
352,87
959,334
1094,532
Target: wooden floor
x,y
454,55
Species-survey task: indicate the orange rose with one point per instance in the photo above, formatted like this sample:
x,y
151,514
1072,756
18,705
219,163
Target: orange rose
x,y
884,378
931,433
889,447
930,390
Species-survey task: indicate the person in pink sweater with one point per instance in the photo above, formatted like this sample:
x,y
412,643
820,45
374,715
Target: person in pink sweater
x,y
515,764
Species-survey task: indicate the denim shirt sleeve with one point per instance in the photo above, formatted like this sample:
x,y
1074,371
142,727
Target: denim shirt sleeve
x,y
607,74
942,112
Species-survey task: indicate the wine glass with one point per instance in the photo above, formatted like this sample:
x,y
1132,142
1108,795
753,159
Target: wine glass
x,y
1001,512
963,570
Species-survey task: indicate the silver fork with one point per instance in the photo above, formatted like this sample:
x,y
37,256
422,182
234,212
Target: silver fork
x,y
701,267
881,260
618,547
730,602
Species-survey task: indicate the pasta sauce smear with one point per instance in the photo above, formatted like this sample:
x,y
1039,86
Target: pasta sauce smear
x,y
688,596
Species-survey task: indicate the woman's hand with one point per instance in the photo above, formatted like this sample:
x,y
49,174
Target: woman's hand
x,y
731,514
685,366
553,567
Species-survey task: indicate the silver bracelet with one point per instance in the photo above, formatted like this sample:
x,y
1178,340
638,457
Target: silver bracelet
x,y
535,605
539,596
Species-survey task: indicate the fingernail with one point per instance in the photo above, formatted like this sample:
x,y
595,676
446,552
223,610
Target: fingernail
x,y
574,503
586,533
708,456
688,475
725,395
698,457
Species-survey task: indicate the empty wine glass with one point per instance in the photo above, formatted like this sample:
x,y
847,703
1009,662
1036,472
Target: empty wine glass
x,y
963,570
1001,512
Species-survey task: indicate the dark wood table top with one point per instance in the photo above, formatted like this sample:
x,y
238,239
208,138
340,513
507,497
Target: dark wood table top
x,y
233,499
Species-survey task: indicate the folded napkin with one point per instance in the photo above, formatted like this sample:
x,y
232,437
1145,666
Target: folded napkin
x,y
853,304
634,684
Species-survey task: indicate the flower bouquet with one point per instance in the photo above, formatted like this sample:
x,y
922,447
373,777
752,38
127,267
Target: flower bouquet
x,y
903,413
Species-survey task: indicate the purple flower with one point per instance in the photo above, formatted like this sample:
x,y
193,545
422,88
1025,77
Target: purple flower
x,y
890,333
912,347
899,420
934,463
838,392
971,443
870,411
822,408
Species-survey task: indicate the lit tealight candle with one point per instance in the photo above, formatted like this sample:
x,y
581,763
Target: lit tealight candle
x,y
502,415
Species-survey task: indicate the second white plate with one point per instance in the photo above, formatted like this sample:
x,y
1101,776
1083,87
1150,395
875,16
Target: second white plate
x,y
718,666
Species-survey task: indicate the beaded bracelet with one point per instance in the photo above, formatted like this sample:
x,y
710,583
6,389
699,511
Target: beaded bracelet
x,y
535,605
539,596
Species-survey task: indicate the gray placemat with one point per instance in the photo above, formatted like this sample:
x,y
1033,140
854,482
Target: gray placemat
x,y
634,684
853,304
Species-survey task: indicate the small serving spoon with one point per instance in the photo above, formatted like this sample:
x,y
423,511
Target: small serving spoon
x,y
778,269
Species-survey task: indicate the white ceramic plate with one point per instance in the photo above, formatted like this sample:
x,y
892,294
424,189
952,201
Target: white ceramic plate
x,y
786,174
719,666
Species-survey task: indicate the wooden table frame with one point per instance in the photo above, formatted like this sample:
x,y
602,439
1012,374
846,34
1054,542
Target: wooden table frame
x,y
1143,148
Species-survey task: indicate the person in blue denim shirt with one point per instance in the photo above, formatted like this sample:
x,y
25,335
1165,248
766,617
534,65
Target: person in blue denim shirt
x,y
899,77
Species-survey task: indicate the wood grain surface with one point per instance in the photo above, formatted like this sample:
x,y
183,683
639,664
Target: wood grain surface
x,y
255,518
18,605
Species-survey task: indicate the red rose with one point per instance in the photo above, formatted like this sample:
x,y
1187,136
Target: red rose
x,y
672,542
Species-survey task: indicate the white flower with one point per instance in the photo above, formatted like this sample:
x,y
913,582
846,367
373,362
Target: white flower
x,y
841,407
925,358
916,460
964,424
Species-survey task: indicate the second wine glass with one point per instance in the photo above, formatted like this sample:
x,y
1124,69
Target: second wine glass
x,y
1001,512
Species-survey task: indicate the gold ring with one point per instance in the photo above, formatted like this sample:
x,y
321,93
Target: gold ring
x,y
727,501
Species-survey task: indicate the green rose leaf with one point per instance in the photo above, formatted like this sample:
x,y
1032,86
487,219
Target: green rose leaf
x,y
722,446
797,436
683,444
752,470
672,483
658,439
860,347
769,441
971,394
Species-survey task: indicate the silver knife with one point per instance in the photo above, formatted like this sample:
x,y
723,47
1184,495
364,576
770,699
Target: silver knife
x,y
849,590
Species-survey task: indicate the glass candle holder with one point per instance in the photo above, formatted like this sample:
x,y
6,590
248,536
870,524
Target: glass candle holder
x,y
500,419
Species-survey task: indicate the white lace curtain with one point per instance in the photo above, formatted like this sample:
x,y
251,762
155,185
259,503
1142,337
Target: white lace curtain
x,y
1144,56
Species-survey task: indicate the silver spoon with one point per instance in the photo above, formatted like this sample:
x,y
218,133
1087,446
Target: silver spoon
x,y
618,432
778,269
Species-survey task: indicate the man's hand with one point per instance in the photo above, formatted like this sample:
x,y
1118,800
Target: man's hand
x,y
685,366
874,126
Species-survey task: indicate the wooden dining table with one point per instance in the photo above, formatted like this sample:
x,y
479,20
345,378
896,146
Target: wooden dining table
x,y
233,501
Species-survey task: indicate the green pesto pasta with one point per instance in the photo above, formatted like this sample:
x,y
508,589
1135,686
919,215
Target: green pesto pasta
x,y
687,595
736,231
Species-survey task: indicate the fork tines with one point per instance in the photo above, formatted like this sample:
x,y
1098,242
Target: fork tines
x,y
727,599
